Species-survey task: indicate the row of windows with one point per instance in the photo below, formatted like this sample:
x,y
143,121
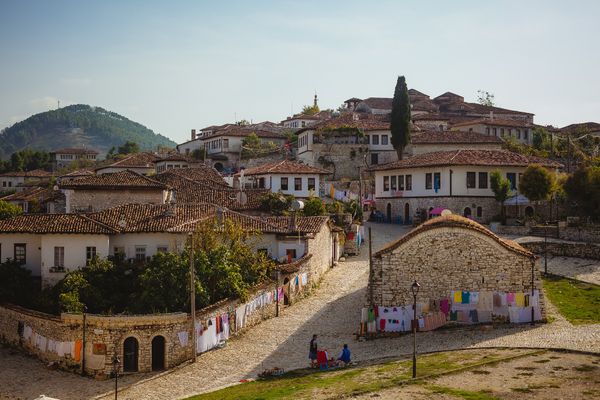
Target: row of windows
x,y
217,144
20,254
284,184
374,139
507,132
77,157
472,177
6,183
303,141
140,251
400,182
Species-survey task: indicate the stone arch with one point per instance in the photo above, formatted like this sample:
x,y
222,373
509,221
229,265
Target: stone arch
x,y
218,166
529,211
131,354
479,212
159,353
467,212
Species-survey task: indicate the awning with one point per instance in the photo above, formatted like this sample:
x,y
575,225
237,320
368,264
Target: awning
x,y
437,211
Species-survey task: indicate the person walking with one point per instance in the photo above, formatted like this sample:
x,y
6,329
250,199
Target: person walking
x,y
312,351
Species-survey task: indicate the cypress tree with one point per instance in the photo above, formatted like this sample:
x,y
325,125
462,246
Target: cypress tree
x,y
400,124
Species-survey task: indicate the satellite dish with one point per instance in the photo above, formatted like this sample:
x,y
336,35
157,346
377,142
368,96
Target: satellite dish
x,y
241,198
297,205
446,212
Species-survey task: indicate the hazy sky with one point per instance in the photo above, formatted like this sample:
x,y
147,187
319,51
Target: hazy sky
x,y
177,65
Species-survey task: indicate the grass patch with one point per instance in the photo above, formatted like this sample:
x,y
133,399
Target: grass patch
x,y
307,384
464,394
578,302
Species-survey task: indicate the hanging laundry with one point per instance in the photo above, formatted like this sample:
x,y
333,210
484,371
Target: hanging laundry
x,y
513,314
457,296
445,306
486,301
183,338
510,299
474,298
520,299
466,297
77,351
473,317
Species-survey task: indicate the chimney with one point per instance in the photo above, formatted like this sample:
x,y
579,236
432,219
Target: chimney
x,y
491,115
193,134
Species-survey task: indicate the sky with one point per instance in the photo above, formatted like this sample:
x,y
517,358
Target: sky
x,y
178,65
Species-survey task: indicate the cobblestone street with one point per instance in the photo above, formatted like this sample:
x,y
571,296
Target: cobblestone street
x,y
332,312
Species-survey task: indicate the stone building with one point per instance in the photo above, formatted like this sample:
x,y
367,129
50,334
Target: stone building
x,y
451,254
422,142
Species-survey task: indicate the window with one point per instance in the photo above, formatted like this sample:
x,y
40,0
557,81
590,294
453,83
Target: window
x,y
408,182
437,181
225,143
261,183
284,184
502,132
512,177
374,158
509,132
386,183
291,255
393,183
311,183
483,180
471,180
401,181
90,254
487,131
20,253
526,134
518,134
479,212
140,253
59,256
428,181
119,250
162,249
297,183
375,139
384,139
495,131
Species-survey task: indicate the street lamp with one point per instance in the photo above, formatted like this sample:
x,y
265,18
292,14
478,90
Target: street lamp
x,y
192,295
546,248
116,362
415,290
83,342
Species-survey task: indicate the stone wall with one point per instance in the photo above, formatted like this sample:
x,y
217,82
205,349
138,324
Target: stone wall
x,y
446,259
343,160
581,234
106,335
257,161
490,207
562,249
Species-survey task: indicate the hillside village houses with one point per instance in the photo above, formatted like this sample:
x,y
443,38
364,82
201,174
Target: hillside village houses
x,y
457,180
51,244
15,180
64,157
287,177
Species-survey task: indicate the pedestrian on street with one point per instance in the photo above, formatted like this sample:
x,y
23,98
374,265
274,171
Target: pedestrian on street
x,y
312,352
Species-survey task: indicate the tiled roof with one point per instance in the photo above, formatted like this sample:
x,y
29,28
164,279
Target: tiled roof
x,y
78,173
115,180
201,173
284,167
429,117
136,160
480,108
495,122
454,221
590,126
379,103
240,131
36,173
74,150
303,224
468,157
34,193
457,137
53,223
295,266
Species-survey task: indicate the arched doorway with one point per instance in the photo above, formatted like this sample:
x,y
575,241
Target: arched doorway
x,y
479,212
529,211
406,213
130,355
389,213
467,212
158,353
286,290
218,166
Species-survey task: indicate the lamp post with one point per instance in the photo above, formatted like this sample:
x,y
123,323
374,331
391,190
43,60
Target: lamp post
x,y
193,296
546,248
415,290
116,362
83,343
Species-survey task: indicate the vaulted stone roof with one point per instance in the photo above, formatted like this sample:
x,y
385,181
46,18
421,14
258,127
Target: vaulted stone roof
x,y
513,123
136,160
114,181
459,137
467,157
454,221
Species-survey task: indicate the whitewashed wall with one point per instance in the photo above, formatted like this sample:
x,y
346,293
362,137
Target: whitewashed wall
x,y
32,249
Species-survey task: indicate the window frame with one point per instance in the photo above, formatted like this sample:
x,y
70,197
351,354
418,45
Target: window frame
x,y
90,253
408,181
386,183
283,186
312,183
59,256
482,183
138,254
471,180
298,184
22,258
384,140
428,181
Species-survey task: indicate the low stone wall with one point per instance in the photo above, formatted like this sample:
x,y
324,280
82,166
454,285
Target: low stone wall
x,y
561,249
106,335
510,230
589,234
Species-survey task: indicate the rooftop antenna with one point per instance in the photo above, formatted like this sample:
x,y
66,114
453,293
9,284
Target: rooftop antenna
x,y
58,103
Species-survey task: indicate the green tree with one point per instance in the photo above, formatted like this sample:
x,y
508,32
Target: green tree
x,y
400,124
314,206
276,203
199,154
9,210
501,188
129,147
583,191
485,98
310,110
15,284
536,183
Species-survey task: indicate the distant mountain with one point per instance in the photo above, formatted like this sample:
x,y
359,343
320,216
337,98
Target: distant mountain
x,y
78,125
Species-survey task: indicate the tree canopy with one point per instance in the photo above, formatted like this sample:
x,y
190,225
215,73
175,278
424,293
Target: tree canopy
x,y
400,124
536,183
310,110
501,188
583,191
9,210
485,98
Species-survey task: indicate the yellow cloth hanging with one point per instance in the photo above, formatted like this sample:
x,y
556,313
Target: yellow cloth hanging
x,y
520,299
457,296
77,355
331,191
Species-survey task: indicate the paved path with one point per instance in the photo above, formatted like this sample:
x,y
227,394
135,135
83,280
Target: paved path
x,y
332,312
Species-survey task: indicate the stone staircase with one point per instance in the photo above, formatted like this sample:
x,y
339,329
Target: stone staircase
x,y
542,230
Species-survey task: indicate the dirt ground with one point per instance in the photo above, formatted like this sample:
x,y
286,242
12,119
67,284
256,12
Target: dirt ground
x,y
550,375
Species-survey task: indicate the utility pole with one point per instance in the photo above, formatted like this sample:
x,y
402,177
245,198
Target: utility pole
x,y
193,296
83,343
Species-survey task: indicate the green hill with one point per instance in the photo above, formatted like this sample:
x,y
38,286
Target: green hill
x,y
77,126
